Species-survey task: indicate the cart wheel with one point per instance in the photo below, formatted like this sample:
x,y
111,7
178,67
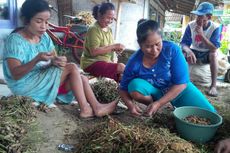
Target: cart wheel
x,y
227,76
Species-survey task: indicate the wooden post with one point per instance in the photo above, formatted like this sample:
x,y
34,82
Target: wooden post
x,y
227,8
186,20
118,19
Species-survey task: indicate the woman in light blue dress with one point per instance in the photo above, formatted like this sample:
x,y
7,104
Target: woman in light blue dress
x,y
31,67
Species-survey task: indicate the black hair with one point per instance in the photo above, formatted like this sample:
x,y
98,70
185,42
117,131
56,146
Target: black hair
x,y
144,28
31,7
141,21
102,8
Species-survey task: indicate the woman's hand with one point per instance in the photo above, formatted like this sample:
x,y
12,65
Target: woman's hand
x,y
223,146
44,56
135,110
118,48
59,61
152,109
18,70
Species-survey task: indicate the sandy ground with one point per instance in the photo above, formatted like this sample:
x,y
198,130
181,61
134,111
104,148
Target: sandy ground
x,y
55,125
60,125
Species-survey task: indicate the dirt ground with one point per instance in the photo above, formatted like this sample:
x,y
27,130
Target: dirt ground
x,y
63,124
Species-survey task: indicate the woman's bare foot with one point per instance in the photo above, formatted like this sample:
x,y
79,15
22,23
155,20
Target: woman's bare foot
x,y
35,104
105,109
213,92
86,112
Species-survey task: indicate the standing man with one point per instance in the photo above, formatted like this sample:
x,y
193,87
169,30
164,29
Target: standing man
x,y
201,41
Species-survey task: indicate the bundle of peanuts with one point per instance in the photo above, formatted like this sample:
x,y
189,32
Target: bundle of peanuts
x,y
86,17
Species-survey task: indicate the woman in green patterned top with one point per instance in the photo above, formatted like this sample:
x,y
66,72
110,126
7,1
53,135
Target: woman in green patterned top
x,y
99,49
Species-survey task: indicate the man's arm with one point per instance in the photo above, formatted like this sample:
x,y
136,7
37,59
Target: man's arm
x,y
185,46
209,44
213,44
186,40
186,49
18,70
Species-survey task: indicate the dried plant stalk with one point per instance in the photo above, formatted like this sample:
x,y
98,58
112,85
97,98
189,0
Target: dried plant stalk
x,y
114,137
15,113
105,90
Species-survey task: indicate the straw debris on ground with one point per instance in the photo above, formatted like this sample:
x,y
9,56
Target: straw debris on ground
x,y
112,136
125,134
16,113
105,90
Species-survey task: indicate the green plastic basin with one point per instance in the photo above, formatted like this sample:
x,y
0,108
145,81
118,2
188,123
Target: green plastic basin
x,y
194,132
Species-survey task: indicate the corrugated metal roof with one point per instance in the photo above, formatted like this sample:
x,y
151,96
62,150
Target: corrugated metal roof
x,y
183,6
169,16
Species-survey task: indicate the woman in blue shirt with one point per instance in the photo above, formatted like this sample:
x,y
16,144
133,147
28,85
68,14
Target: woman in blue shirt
x,y
157,74
32,69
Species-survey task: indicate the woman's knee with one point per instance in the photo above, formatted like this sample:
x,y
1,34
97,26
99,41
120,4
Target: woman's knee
x,y
120,67
72,68
71,65
136,96
84,78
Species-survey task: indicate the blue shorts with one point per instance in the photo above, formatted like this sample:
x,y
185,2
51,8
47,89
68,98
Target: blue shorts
x,y
202,57
190,96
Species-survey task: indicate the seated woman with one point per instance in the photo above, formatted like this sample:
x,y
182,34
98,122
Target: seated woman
x,y
28,49
157,74
98,55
